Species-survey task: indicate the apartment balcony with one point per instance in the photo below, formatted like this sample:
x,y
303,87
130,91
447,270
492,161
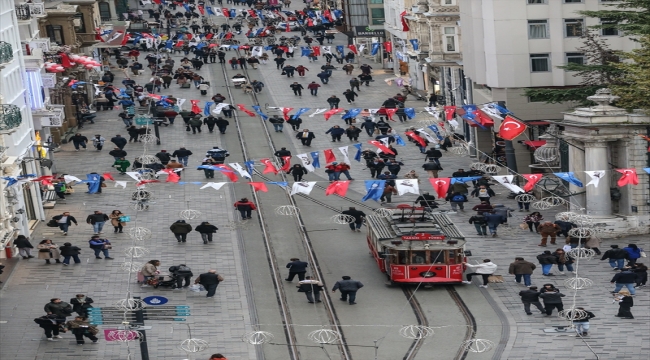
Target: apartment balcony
x,y
10,118
6,53
86,39
23,12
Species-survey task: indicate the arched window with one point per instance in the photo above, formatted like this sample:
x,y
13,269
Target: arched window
x,y
104,11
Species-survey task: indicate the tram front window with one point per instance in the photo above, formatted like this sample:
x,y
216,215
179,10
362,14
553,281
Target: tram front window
x,y
418,257
437,257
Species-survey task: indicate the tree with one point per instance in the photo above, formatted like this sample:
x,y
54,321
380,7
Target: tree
x,y
635,84
597,71
630,16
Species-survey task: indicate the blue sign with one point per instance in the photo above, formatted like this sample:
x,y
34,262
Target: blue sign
x,y
155,300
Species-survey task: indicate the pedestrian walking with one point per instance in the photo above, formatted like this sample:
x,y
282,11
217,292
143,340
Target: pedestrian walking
x,y
435,154
68,251
210,122
352,132
616,257
222,124
633,253
60,309
48,250
387,194
81,328
480,223
457,200
79,140
335,132
24,247
375,167
483,208
119,141
80,304
149,271
288,70
98,142
324,77
625,278
50,325
301,70
313,88
593,243
122,165
180,229
305,137
297,171
493,222
348,289
582,323
97,220
432,168
483,193
354,83
358,216
552,300
195,123
547,229
296,88
311,288
278,123
369,125
332,171
206,230
531,297
118,220
350,96
183,155
563,260
100,246
210,281
485,269
522,268
532,220
344,168
641,272
296,267
625,304
333,101
547,260
182,273
245,207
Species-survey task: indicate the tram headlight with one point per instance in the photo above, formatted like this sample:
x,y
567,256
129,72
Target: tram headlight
x,y
427,274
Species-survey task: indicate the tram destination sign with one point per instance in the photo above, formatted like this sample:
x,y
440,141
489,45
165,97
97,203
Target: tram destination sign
x,y
423,236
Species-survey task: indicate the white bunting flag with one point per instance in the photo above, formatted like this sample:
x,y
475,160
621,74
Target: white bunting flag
x,y
373,111
453,123
361,47
427,136
70,178
302,187
327,49
344,151
242,172
317,111
217,11
490,110
291,48
406,186
181,102
595,177
506,180
257,51
213,185
306,162
120,183
219,107
97,89
433,112
134,175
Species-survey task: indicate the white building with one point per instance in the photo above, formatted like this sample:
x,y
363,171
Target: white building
x,y
509,45
20,204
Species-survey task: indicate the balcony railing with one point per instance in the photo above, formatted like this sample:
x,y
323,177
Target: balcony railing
x,y
10,117
23,12
86,38
6,52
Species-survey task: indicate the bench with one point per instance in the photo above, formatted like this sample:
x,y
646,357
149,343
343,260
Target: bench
x,y
49,199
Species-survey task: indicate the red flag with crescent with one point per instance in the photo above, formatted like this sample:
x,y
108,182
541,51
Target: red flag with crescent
x,y
353,48
108,176
390,113
531,179
195,106
126,38
316,50
209,36
416,137
144,182
329,156
449,112
381,146
242,107
180,43
287,27
629,177
287,163
229,172
339,188
226,12
201,9
228,36
172,176
189,36
388,46
285,112
269,167
259,186
511,128
441,186
405,24
284,48
310,22
328,114
252,13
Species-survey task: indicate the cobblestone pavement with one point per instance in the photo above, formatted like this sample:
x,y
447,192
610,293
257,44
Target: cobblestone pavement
x,y
224,321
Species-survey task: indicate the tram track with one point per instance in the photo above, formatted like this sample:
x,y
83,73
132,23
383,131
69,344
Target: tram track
x,y
277,279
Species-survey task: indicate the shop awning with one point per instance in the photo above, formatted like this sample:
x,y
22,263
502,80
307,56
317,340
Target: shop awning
x,y
534,144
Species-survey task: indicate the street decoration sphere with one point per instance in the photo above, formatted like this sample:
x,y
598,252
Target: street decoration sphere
x,y
546,154
148,159
139,233
324,336
286,210
129,304
342,219
258,337
479,345
136,251
190,214
193,345
382,212
572,314
525,198
578,283
581,253
131,266
416,331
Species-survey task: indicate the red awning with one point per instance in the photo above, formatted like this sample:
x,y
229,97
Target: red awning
x,y
537,123
534,144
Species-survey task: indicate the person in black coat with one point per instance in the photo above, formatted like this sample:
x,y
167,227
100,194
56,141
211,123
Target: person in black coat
x,y
298,171
68,251
164,157
80,304
311,288
375,167
182,273
531,296
206,230
305,137
210,281
119,141
625,304
24,246
358,216
296,267
626,278
50,325
222,124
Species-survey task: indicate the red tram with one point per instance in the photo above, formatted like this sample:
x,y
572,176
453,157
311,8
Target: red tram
x,y
417,247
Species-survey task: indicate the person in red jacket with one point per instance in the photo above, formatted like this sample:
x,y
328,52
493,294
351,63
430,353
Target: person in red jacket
x,y
344,169
244,206
301,70
313,88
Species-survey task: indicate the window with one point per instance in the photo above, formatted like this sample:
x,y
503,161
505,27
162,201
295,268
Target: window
x,y
538,29
105,11
572,1
530,2
377,15
540,63
575,58
573,27
55,33
607,31
448,2
79,23
450,39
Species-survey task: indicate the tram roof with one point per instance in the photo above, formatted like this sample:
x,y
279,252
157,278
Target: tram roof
x,y
395,227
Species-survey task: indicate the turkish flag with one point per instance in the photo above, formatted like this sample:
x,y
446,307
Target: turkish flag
x,y
390,113
388,46
269,167
381,146
329,156
108,176
180,43
310,22
629,177
172,176
483,118
353,48
229,35
43,178
287,163
441,186
242,107
449,112
405,25
417,138
287,27
511,128
65,60
316,50
259,186
195,106
532,180
339,188
226,12
285,112
209,36
230,173
252,13
201,10
126,38
144,182
189,36
328,114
